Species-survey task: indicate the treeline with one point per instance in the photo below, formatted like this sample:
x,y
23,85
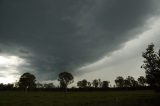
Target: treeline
x,y
119,82
27,82
151,64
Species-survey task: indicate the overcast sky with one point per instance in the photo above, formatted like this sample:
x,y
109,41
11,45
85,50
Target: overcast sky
x,y
89,38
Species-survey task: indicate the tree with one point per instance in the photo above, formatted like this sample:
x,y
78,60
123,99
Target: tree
x,y
126,83
82,84
6,86
65,79
105,84
119,81
89,84
79,84
152,66
141,81
130,82
95,83
99,83
27,81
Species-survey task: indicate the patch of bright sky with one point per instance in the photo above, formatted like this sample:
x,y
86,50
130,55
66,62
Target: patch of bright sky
x,y
9,68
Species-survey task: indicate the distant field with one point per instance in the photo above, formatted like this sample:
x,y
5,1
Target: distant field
x,y
112,98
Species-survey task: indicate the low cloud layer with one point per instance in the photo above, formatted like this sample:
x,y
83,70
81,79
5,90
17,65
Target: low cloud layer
x,y
64,35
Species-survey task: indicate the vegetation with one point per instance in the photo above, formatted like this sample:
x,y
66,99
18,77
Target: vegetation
x,y
141,81
129,82
27,81
105,84
124,94
82,84
116,98
96,83
119,81
152,66
65,79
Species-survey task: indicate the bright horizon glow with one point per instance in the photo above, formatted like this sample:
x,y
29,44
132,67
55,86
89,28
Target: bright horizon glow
x,y
7,79
8,68
10,60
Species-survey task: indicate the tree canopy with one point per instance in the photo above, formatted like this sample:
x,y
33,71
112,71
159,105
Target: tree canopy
x,y
105,84
82,84
141,81
65,79
119,81
27,80
152,66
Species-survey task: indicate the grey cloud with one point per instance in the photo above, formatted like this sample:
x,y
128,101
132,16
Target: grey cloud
x,y
67,34
2,75
24,51
1,51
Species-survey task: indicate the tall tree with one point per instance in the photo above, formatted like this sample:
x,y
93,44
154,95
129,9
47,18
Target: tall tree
x,y
152,66
89,84
79,84
65,79
131,82
99,83
82,84
95,83
141,81
27,81
105,84
119,81
126,83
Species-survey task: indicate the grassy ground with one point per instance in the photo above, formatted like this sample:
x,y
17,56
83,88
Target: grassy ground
x,y
116,98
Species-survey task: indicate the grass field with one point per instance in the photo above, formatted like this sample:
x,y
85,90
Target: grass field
x,y
112,98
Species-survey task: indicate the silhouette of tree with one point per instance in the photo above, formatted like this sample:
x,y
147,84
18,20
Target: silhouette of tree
x,y
27,80
99,83
79,84
119,81
65,79
9,86
6,86
95,83
127,83
130,82
82,84
1,86
152,66
105,84
134,83
89,84
141,81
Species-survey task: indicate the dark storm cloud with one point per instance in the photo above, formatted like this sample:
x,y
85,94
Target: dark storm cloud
x,y
62,35
23,51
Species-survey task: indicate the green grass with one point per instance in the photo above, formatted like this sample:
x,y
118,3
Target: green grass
x,y
115,98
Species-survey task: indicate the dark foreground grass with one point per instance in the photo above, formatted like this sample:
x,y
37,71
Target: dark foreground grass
x,y
116,98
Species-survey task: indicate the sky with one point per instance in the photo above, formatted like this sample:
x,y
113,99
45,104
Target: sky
x,y
88,38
